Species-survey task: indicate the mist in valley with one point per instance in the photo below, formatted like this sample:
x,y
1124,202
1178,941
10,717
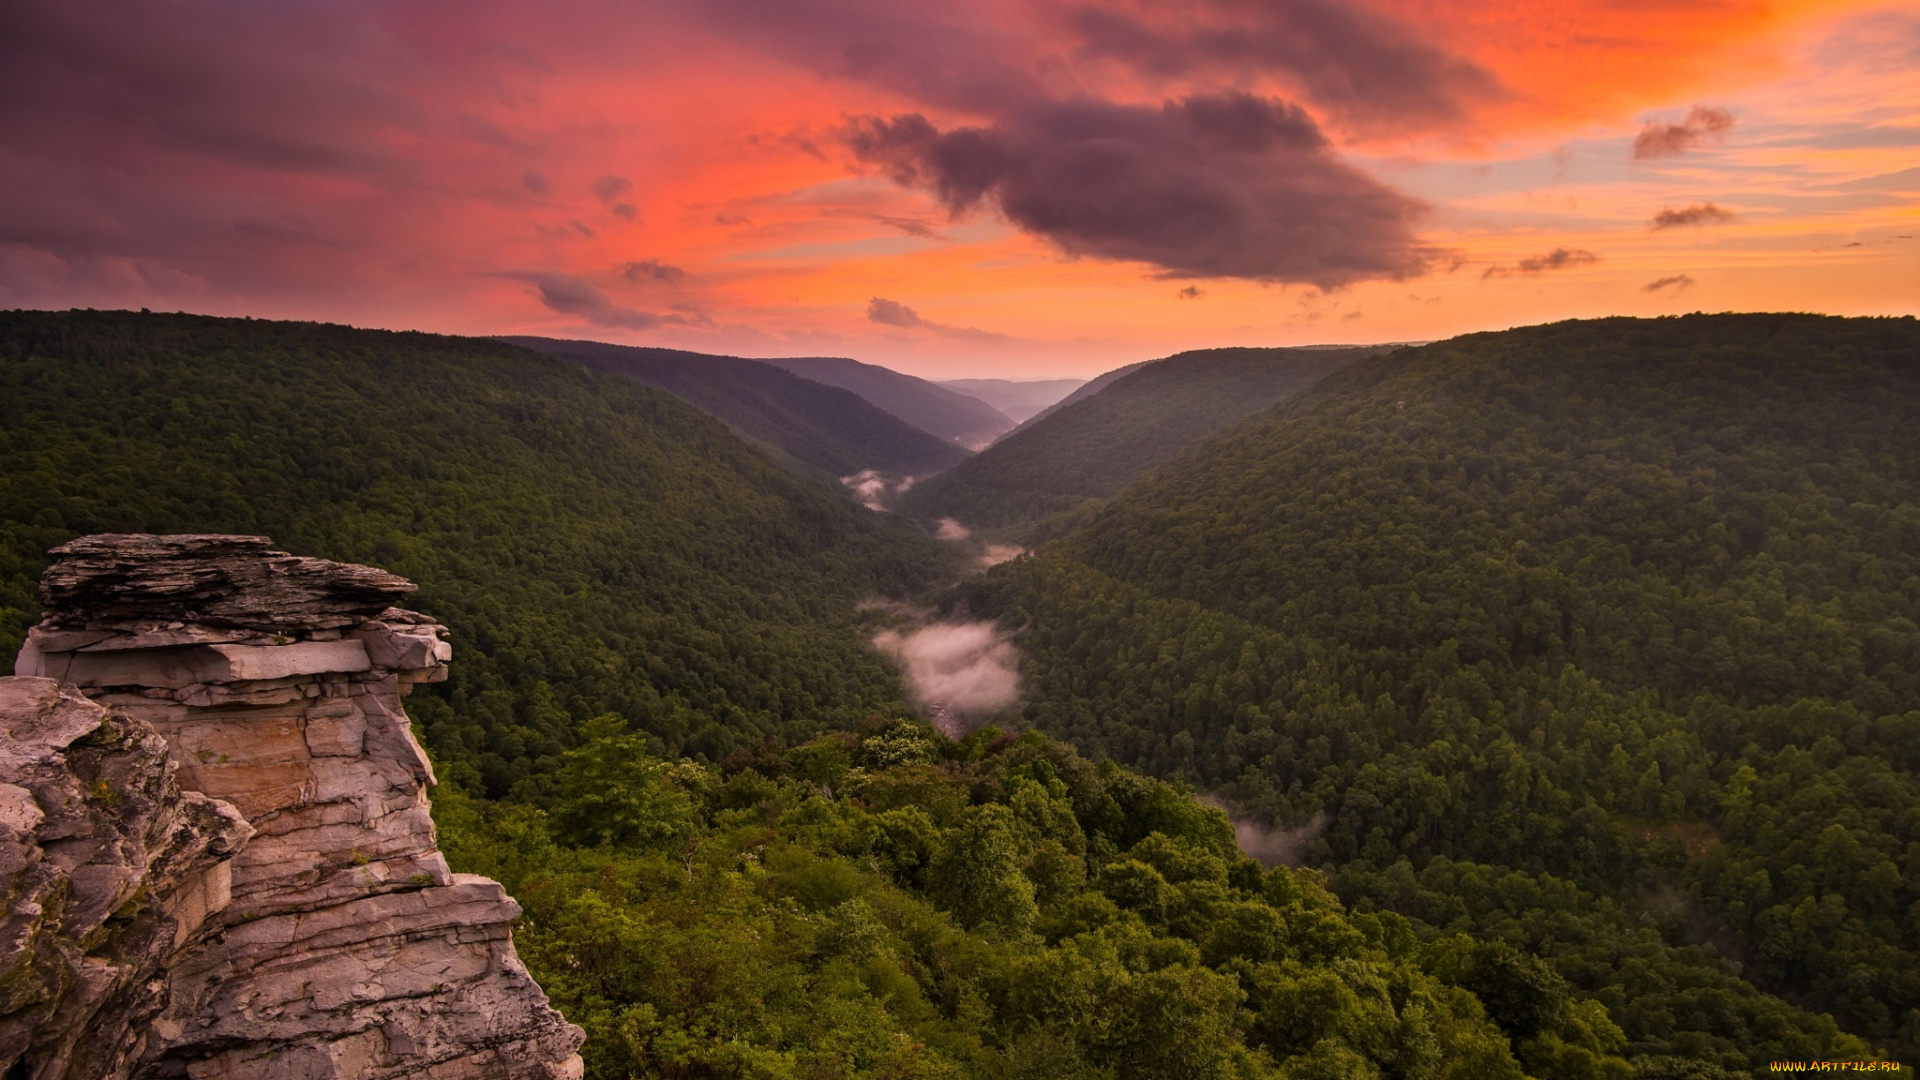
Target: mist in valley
x,y
960,673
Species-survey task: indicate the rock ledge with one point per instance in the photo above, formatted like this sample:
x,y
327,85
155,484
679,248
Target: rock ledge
x,y
215,840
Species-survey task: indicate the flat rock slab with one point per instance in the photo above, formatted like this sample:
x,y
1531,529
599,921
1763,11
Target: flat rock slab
x,y
215,580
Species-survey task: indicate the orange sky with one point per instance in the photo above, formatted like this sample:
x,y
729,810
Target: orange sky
x,y
1090,184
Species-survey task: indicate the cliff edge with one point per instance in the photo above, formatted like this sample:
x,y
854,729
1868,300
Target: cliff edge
x,y
215,842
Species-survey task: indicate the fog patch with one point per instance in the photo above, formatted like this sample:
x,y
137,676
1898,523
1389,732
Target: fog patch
x,y
872,487
958,673
995,554
986,554
1266,844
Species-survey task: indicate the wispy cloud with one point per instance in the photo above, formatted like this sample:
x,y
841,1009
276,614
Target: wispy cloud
x,y
1559,258
1698,214
653,270
570,294
893,313
1666,140
609,188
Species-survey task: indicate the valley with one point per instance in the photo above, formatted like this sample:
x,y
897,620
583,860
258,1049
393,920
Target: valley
x,y
1541,703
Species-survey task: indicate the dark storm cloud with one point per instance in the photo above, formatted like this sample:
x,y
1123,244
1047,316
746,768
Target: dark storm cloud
x,y
940,54
1361,65
1215,184
1666,140
1698,214
1356,64
1559,258
1227,185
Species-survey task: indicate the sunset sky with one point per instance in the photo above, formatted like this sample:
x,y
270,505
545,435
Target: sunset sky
x,y
1015,188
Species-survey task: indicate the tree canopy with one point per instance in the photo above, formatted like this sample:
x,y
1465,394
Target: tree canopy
x,y
1598,639
887,903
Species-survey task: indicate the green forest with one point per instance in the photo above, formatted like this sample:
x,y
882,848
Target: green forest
x,y
595,545
888,903
1092,448
1537,704
1600,640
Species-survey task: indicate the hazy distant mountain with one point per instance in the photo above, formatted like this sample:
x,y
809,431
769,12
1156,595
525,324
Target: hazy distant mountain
x,y
1089,448
1084,391
1020,399
926,405
821,425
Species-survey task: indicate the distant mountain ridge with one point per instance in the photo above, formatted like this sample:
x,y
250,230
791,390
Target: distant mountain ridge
x,y
825,426
1142,416
1020,399
1084,391
951,415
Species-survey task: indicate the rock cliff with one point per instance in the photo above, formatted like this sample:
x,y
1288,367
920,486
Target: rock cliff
x,y
219,861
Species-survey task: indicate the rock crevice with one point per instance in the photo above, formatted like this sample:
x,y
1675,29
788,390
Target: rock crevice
x,y
315,929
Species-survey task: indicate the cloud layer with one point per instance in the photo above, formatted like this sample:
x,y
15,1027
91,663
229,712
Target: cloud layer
x,y
1228,185
1369,70
750,176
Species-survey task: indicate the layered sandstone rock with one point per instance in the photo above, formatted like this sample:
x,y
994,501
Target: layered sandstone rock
x,y
345,948
110,874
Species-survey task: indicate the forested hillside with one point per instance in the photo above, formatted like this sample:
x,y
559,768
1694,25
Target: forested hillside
x,y
1600,639
596,545
827,427
1093,447
950,414
889,905
1086,390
